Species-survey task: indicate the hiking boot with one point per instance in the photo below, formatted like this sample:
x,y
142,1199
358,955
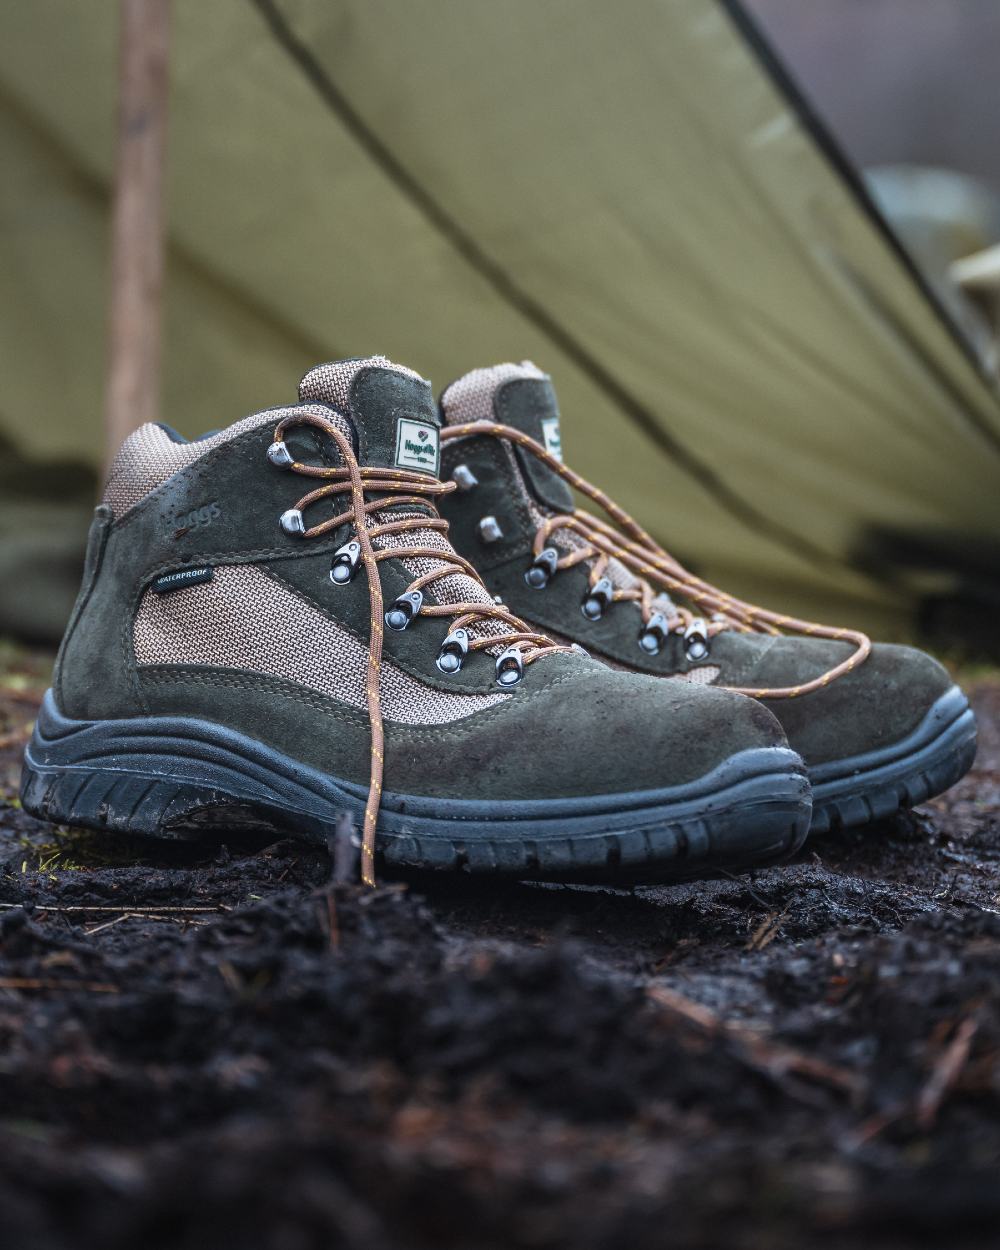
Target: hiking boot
x,y
879,727
217,671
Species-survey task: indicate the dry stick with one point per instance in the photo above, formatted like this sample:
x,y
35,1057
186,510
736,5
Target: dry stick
x,y
766,931
38,983
333,923
770,1057
344,851
946,1072
138,221
109,924
114,908
945,1076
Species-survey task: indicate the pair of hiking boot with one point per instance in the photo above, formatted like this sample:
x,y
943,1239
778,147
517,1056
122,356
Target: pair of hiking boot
x,y
307,614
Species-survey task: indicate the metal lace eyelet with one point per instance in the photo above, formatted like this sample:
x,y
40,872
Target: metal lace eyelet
x,y
696,640
453,651
510,667
489,530
279,455
463,477
543,569
654,633
345,563
404,609
597,599
292,522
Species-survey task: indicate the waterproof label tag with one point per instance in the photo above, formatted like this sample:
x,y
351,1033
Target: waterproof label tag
x,y
551,438
416,446
181,578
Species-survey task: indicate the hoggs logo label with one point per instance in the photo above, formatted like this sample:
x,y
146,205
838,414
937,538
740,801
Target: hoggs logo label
x,y
551,437
416,446
184,522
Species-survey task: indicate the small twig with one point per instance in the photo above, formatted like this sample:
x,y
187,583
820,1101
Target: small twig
x,y
344,851
114,908
342,847
38,983
231,977
333,924
167,918
869,1129
703,1017
108,924
946,1072
770,1057
766,931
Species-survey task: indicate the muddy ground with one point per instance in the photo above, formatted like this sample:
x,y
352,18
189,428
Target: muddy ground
x,y
204,1047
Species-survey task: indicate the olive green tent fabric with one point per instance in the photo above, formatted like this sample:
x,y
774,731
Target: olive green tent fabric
x,y
626,194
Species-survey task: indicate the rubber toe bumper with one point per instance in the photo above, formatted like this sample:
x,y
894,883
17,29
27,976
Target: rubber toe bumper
x,y
178,777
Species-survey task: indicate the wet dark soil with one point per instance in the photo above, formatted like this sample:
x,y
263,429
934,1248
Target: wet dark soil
x,y
214,1046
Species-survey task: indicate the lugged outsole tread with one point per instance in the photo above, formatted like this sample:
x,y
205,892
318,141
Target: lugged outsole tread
x,y
141,806
880,800
183,778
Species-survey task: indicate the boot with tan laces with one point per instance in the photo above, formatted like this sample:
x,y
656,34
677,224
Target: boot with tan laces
x,y
879,726
274,629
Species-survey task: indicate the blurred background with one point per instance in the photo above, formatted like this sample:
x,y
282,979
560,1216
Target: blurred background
x,y
750,242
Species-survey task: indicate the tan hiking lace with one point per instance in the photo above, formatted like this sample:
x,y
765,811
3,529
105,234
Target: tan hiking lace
x,y
640,553
521,645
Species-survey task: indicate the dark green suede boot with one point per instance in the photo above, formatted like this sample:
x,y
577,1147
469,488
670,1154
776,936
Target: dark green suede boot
x,y
879,727
245,653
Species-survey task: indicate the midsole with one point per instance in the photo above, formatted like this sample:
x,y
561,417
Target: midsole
x,y
197,752
950,719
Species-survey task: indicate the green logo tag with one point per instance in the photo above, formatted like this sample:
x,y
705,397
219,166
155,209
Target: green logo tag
x,y
416,446
551,437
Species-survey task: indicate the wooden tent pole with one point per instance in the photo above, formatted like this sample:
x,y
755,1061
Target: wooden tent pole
x,y
137,225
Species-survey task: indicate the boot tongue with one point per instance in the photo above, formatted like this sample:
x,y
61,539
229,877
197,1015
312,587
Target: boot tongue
x,y
390,407
396,423
523,397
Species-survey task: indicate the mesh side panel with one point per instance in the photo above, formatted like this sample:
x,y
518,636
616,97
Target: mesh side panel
x,y
331,383
455,587
616,572
470,398
704,675
244,619
149,456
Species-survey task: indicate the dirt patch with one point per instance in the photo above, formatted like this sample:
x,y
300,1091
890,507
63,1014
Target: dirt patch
x,y
204,1046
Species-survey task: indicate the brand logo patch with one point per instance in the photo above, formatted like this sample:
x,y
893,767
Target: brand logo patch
x,y
416,446
186,521
551,437
181,578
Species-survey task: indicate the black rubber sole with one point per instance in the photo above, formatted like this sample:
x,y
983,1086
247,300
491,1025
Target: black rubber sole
x,y
939,752
181,778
